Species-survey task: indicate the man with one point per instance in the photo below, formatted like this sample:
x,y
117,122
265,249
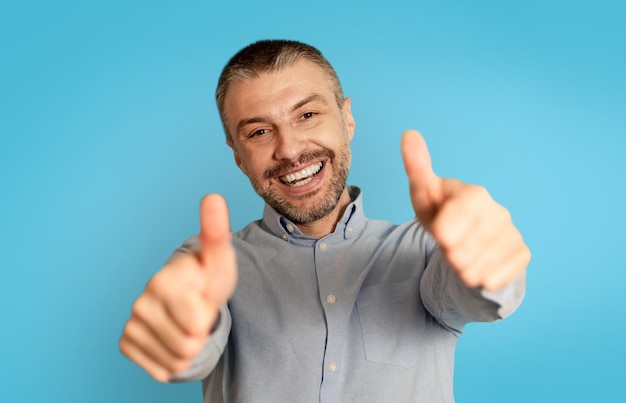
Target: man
x,y
315,302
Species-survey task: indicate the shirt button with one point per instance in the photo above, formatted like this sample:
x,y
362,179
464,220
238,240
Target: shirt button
x,y
349,230
331,299
323,246
332,367
285,237
290,228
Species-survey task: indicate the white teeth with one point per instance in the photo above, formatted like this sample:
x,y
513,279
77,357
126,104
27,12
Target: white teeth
x,y
305,173
302,182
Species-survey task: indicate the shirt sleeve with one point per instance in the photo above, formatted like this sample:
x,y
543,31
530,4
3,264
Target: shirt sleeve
x,y
454,304
210,355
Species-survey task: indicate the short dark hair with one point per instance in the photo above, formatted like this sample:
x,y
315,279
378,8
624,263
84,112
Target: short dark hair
x,y
269,56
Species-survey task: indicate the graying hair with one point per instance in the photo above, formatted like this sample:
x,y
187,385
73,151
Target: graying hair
x,y
270,56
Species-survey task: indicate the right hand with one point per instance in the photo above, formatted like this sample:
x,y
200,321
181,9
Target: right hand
x,y
172,319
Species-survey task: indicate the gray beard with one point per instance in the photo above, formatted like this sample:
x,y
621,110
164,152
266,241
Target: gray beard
x,y
298,215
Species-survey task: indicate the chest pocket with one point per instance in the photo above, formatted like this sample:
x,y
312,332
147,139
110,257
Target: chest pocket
x,y
392,318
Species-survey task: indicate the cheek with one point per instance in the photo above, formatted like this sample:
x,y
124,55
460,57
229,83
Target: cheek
x,y
253,166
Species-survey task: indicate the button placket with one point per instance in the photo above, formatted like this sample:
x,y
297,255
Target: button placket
x,y
327,286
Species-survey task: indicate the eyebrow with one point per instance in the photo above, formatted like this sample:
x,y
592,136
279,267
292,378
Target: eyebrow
x,y
311,98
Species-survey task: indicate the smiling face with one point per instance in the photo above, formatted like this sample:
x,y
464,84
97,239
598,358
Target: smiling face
x,y
292,140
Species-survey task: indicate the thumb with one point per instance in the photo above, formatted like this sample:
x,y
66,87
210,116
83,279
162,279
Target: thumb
x,y
425,187
216,254
214,222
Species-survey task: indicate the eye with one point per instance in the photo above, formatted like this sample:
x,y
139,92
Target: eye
x,y
258,133
307,115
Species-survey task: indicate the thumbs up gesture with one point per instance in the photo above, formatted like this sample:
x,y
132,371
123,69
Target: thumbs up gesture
x,y
476,234
172,319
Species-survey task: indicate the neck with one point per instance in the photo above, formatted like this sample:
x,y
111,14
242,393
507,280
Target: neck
x,y
327,224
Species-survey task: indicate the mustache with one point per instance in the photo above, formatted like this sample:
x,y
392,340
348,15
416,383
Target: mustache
x,y
284,167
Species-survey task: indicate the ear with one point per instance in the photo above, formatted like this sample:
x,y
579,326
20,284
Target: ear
x,y
348,118
238,161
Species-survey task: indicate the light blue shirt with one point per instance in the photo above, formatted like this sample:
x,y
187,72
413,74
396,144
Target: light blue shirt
x,y
369,313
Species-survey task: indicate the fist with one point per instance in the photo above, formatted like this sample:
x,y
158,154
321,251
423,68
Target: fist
x,y
172,319
476,234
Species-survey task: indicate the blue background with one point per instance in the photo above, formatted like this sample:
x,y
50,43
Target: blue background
x,y
110,136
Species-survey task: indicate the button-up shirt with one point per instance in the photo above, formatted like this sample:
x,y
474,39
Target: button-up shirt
x,y
369,313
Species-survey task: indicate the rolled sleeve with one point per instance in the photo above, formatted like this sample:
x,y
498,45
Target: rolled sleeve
x,y
210,355
453,304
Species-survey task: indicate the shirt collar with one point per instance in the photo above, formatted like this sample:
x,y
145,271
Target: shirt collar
x,y
349,226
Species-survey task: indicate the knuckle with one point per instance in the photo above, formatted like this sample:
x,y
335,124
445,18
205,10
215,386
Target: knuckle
x,y
527,256
124,346
197,321
179,364
492,284
190,347
478,191
158,373
138,308
181,352
133,330
159,282
507,214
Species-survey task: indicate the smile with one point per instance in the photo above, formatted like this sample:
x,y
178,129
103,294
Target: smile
x,y
302,177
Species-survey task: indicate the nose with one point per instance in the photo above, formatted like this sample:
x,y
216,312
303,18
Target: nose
x,y
289,145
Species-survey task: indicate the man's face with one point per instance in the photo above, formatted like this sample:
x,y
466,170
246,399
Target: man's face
x,y
291,139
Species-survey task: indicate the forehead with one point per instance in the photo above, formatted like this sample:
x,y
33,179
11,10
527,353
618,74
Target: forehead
x,y
277,88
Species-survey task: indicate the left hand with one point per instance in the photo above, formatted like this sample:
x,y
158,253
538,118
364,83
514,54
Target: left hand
x,y
476,234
